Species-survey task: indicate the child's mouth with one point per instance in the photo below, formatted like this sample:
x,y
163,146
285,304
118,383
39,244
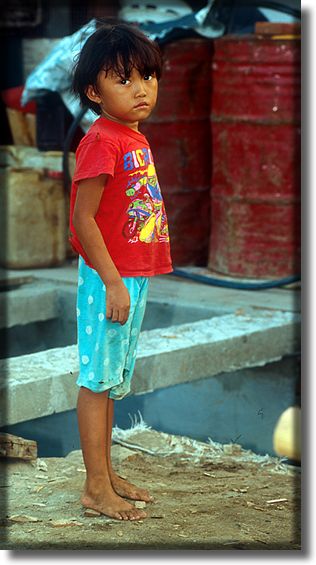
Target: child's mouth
x,y
141,105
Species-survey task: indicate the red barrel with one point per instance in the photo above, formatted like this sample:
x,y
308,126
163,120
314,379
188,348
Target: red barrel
x,y
178,132
255,129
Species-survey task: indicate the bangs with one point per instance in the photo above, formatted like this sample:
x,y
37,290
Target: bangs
x,y
127,52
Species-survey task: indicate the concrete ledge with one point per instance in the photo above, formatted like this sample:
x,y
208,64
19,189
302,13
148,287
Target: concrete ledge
x,y
25,305
42,383
209,347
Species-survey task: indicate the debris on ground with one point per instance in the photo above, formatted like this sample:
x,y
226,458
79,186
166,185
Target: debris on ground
x,y
206,496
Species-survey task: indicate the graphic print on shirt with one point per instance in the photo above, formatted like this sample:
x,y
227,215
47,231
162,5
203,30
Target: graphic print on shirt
x,y
147,221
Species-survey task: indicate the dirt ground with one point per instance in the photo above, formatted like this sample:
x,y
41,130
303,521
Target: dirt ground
x,y
207,496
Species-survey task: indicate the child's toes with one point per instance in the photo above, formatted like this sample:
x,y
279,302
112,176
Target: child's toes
x,y
131,514
134,514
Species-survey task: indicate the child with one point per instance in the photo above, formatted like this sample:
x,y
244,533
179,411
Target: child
x,y
119,228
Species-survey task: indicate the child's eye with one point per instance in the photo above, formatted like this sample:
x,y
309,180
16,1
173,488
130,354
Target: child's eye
x,y
124,81
148,77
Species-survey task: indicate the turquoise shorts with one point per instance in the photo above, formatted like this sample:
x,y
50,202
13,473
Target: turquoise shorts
x,y
107,350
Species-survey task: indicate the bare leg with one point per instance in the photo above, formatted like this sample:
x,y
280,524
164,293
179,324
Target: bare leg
x,y
98,492
120,485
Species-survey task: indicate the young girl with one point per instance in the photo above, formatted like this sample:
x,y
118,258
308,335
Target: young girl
x,y
119,228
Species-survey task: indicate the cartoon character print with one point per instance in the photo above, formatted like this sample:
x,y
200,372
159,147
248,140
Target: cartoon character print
x,y
147,221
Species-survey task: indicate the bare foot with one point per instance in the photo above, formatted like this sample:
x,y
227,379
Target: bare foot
x,y
110,504
123,488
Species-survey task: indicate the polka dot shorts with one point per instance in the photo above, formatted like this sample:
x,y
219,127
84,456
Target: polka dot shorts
x,y
107,350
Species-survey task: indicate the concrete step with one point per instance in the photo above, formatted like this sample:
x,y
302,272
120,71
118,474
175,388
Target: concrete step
x,y
43,383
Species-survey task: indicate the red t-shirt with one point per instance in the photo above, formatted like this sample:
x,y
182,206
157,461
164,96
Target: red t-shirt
x,y
131,215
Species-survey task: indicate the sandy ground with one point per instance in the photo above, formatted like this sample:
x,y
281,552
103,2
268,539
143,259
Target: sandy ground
x,y
207,496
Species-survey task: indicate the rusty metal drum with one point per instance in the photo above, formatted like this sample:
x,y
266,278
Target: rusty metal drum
x,y
255,130
178,132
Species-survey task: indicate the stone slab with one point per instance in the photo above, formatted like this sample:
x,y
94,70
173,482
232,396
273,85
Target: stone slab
x,y
42,383
30,303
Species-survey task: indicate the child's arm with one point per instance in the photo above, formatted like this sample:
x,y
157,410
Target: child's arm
x,y
86,206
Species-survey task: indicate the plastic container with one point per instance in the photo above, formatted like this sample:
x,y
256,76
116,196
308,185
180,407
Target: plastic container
x,y
34,218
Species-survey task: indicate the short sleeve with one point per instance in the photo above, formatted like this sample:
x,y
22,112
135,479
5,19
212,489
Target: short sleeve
x,y
95,156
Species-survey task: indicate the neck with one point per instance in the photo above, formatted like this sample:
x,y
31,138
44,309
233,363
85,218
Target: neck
x,y
131,125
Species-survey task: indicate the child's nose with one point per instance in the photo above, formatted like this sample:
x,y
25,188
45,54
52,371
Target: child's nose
x,y
140,89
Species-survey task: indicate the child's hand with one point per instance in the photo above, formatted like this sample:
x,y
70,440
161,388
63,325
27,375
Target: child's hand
x,y
117,302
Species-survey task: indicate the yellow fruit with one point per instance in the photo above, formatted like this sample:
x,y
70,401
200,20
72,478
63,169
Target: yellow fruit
x,y
287,434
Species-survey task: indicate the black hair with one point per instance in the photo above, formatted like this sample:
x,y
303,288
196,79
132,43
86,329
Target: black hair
x,y
118,47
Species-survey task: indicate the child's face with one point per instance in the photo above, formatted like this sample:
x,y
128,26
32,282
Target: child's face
x,y
126,101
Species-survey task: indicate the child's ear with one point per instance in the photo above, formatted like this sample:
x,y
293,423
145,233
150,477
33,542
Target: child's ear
x,y
92,94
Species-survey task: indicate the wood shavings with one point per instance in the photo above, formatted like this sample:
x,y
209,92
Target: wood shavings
x,y
65,523
22,518
38,489
277,500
